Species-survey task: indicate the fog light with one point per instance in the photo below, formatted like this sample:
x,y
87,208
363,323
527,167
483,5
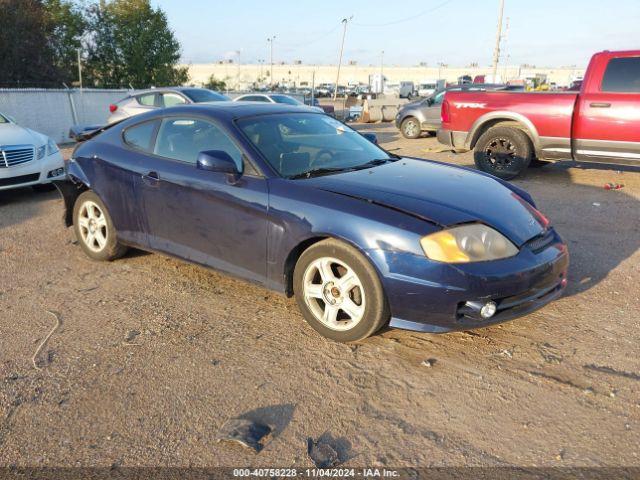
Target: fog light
x,y
55,173
488,310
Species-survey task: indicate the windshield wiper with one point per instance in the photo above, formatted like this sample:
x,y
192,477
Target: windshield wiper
x,y
375,163
321,171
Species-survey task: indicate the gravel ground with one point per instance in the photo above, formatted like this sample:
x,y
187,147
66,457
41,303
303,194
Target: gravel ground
x,y
154,355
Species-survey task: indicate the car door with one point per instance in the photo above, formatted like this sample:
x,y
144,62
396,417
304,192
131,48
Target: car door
x,y
608,114
143,103
171,99
205,217
117,179
432,111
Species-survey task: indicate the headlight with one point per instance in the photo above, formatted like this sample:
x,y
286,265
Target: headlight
x,y
51,147
467,243
40,152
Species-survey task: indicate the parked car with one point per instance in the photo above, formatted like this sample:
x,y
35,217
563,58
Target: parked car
x,y
328,109
273,98
146,100
507,130
27,158
300,203
423,115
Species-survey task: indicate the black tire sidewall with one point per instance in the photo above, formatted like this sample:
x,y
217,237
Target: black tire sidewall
x,y
376,309
404,122
516,136
113,249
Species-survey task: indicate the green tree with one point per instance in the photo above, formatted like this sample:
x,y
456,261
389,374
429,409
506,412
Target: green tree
x,y
26,59
65,28
132,44
214,84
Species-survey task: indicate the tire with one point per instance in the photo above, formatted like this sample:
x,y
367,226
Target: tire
x,y
410,128
345,302
94,229
505,152
43,187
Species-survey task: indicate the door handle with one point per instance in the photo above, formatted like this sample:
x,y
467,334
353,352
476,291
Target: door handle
x,y
152,179
599,105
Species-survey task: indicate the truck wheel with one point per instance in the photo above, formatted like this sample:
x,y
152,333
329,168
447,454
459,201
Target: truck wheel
x,y
503,151
410,128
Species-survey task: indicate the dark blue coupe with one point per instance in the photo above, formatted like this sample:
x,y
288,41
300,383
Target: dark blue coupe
x,y
301,203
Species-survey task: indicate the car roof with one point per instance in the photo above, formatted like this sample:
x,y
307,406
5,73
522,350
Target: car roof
x,y
165,89
229,110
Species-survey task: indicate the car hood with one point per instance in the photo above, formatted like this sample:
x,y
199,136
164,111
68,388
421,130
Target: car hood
x,y
12,134
441,194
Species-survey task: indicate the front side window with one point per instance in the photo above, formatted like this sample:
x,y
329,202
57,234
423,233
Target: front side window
x,y
201,95
306,144
254,98
622,75
285,99
172,99
184,138
140,136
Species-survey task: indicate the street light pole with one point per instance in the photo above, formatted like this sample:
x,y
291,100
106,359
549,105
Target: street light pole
x,y
344,34
80,69
496,51
271,40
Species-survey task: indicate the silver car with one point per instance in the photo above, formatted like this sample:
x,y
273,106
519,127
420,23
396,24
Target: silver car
x,y
273,98
424,115
140,102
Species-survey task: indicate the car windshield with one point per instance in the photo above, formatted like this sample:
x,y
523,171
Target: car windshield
x,y
285,99
306,144
201,95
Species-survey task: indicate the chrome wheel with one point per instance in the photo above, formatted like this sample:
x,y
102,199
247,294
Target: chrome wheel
x,y
411,128
334,293
93,226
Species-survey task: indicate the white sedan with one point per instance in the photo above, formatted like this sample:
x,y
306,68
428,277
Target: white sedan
x,y
27,158
272,98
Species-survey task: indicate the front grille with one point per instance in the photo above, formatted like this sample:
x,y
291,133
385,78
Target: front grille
x,y
11,156
539,243
5,182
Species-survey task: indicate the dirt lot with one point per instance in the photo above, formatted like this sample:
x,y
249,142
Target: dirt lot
x,y
556,388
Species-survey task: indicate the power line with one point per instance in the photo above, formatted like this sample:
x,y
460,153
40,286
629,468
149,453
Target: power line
x,y
406,19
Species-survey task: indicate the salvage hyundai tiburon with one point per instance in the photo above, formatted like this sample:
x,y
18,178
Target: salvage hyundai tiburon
x,y
301,203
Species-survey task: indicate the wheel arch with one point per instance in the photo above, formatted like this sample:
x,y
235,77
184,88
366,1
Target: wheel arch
x,y
295,253
507,119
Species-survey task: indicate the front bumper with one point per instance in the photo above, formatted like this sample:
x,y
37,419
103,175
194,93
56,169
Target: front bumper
x,y
432,297
35,172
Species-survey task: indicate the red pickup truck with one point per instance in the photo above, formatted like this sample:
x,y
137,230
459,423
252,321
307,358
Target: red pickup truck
x,y
507,130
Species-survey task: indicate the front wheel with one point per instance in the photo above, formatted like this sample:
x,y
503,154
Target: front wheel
x,y
503,151
410,128
94,228
338,292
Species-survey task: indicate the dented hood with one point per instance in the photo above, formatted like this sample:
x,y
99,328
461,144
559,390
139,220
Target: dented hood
x,y
441,194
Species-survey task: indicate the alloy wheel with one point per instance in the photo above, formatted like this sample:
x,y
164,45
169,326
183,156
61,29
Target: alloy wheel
x,y
500,153
93,226
334,293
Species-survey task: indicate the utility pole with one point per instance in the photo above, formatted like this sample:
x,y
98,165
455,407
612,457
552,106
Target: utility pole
x,y
80,69
381,72
271,40
496,51
344,34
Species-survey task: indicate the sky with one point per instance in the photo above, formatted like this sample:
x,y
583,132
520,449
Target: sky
x,y
549,33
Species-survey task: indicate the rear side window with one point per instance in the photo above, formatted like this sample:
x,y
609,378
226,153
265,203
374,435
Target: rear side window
x,y
254,98
148,100
140,136
622,75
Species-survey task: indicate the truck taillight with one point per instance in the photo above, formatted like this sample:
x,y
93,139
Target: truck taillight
x,y
444,112
113,108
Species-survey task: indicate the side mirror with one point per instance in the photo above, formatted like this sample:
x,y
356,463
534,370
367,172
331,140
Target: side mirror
x,y
372,137
217,161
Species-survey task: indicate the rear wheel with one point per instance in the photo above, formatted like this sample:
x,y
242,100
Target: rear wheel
x,y
94,228
410,128
339,292
504,152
